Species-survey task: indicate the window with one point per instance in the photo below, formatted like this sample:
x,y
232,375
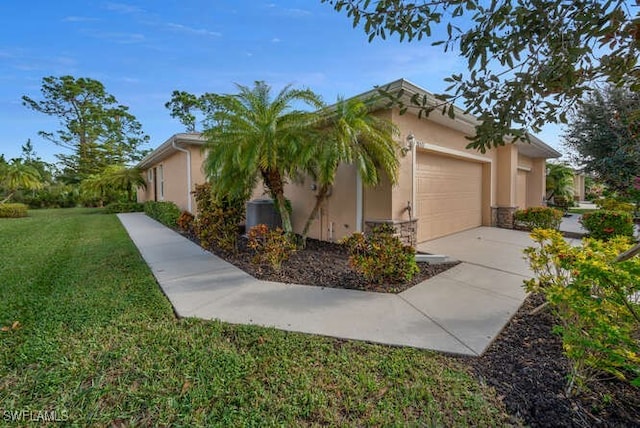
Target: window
x,y
150,175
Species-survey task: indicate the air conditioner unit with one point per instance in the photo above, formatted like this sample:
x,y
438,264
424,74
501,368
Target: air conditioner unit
x,y
262,211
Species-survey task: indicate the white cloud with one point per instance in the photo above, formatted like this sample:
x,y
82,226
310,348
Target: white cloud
x,y
191,30
116,37
275,40
294,13
131,80
287,11
79,19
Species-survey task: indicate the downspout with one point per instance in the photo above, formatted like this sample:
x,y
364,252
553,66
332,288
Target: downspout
x,y
411,141
413,177
188,152
359,210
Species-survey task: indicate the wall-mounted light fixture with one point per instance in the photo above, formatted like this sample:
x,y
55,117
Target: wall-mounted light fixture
x,y
411,140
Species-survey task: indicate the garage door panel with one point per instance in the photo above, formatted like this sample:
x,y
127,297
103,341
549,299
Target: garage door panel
x,y
448,195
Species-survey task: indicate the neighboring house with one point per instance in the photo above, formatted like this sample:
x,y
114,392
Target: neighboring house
x,y
443,187
172,171
579,186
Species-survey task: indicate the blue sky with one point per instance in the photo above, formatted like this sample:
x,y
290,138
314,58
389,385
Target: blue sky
x,y
143,50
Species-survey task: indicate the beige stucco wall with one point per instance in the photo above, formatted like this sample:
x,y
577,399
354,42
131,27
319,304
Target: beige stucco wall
x,y
507,176
579,187
174,171
377,201
452,143
337,216
537,183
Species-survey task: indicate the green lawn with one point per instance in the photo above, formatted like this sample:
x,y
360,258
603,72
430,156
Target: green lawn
x,y
98,342
581,210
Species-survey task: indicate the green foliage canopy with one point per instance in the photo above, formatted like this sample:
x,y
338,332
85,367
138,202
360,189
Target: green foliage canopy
x,y
559,180
604,135
259,135
348,133
94,127
528,61
17,175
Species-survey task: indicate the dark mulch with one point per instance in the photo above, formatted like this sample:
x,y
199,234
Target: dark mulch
x,y
323,264
527,368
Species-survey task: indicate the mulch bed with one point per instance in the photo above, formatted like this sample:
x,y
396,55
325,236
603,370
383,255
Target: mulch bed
x,y
323,264
525,363
526,366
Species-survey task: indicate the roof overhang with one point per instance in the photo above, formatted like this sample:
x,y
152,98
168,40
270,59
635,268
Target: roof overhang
x,y
462,121
168,148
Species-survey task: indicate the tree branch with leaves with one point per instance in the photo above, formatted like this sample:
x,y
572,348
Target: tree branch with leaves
x,y
94,126
529,62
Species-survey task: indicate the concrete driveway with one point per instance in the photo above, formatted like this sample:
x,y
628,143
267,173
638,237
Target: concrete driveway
x,y
488,247
476,299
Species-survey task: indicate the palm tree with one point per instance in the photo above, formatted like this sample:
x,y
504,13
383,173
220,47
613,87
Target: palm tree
x,y
17,175
559,181
123,179
256,135
114,179
348,133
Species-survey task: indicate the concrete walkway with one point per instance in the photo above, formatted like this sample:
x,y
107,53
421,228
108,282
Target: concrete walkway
x,y
571,223
459,311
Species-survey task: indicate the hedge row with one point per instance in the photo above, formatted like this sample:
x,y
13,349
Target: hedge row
x,y
166,213
124,207
538,218
13,210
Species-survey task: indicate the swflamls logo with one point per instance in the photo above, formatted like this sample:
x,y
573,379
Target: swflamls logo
x,y
28,415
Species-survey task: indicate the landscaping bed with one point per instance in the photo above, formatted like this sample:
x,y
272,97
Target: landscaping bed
x,y
322,264
526,367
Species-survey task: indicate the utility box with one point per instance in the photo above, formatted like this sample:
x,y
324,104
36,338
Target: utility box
x,y
262,211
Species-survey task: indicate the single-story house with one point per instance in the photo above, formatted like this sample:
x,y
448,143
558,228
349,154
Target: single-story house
x,y
443,187
579,192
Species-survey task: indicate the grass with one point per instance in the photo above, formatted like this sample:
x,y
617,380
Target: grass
x,y
98,342
581,210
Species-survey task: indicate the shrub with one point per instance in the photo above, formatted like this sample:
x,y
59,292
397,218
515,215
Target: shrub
x,y
13,210
591,295
591,196
612,204
166,213
185,222
562,203
604,224
124,207
538,218
381,257
218,219
271,247
50,196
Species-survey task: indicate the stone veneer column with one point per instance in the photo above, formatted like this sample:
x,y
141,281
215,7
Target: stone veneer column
x,y
405,230
505,217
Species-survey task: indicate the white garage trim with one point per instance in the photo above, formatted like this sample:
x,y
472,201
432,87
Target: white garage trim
x,y
453,152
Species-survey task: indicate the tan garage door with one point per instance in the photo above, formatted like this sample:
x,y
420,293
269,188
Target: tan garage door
x,y
521,197
448,195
